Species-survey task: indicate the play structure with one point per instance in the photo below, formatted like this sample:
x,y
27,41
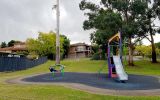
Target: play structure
x,y
115,65
54,70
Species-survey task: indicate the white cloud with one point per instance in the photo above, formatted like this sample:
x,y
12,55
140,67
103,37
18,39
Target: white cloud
x,y
22,19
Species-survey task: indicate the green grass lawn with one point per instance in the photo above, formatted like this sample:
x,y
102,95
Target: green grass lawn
x,y
53,92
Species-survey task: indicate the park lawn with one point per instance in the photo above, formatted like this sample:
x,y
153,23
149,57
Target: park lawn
x,y
53,92
144,68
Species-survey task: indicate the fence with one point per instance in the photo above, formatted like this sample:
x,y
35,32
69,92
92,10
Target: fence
x,y
15,64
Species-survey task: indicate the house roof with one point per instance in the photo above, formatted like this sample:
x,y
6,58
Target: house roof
x,y
13,48
6,49
115,37
79,44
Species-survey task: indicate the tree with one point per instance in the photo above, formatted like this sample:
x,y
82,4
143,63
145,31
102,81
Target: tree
x,y
146,50
66,44
132,12
45,45
12,42
3,45
158,45
113,16
152,13
105,23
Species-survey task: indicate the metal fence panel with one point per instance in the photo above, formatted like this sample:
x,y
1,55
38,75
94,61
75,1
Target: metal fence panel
x,y
15,64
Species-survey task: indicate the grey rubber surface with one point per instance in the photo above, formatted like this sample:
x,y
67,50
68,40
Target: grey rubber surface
x,y
135,82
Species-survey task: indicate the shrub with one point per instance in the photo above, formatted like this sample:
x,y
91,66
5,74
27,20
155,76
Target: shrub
x,y
32,56
96,56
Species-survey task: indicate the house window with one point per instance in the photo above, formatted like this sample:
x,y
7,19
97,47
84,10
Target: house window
x,y
81,48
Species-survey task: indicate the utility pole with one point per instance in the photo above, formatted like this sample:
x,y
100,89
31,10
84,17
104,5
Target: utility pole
x,y
57,35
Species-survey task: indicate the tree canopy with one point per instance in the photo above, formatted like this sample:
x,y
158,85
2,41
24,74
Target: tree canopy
x,y
12,42
45,44
111,16
104,22
146,50
158,45
3,45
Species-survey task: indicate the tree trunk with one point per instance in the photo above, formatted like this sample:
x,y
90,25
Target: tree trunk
x,y
154,56
130,56
130,46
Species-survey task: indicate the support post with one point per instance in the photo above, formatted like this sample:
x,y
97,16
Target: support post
x,y
109,64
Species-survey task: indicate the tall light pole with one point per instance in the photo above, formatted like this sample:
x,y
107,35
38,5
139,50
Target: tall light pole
x,y
57,35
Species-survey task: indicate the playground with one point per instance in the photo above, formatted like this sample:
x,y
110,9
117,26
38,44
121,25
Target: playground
x,y
48,90
115,82
98,84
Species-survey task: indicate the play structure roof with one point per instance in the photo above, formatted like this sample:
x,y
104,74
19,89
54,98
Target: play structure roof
x,y
115,37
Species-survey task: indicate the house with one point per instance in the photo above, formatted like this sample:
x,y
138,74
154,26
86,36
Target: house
x,y
18,47
79,50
